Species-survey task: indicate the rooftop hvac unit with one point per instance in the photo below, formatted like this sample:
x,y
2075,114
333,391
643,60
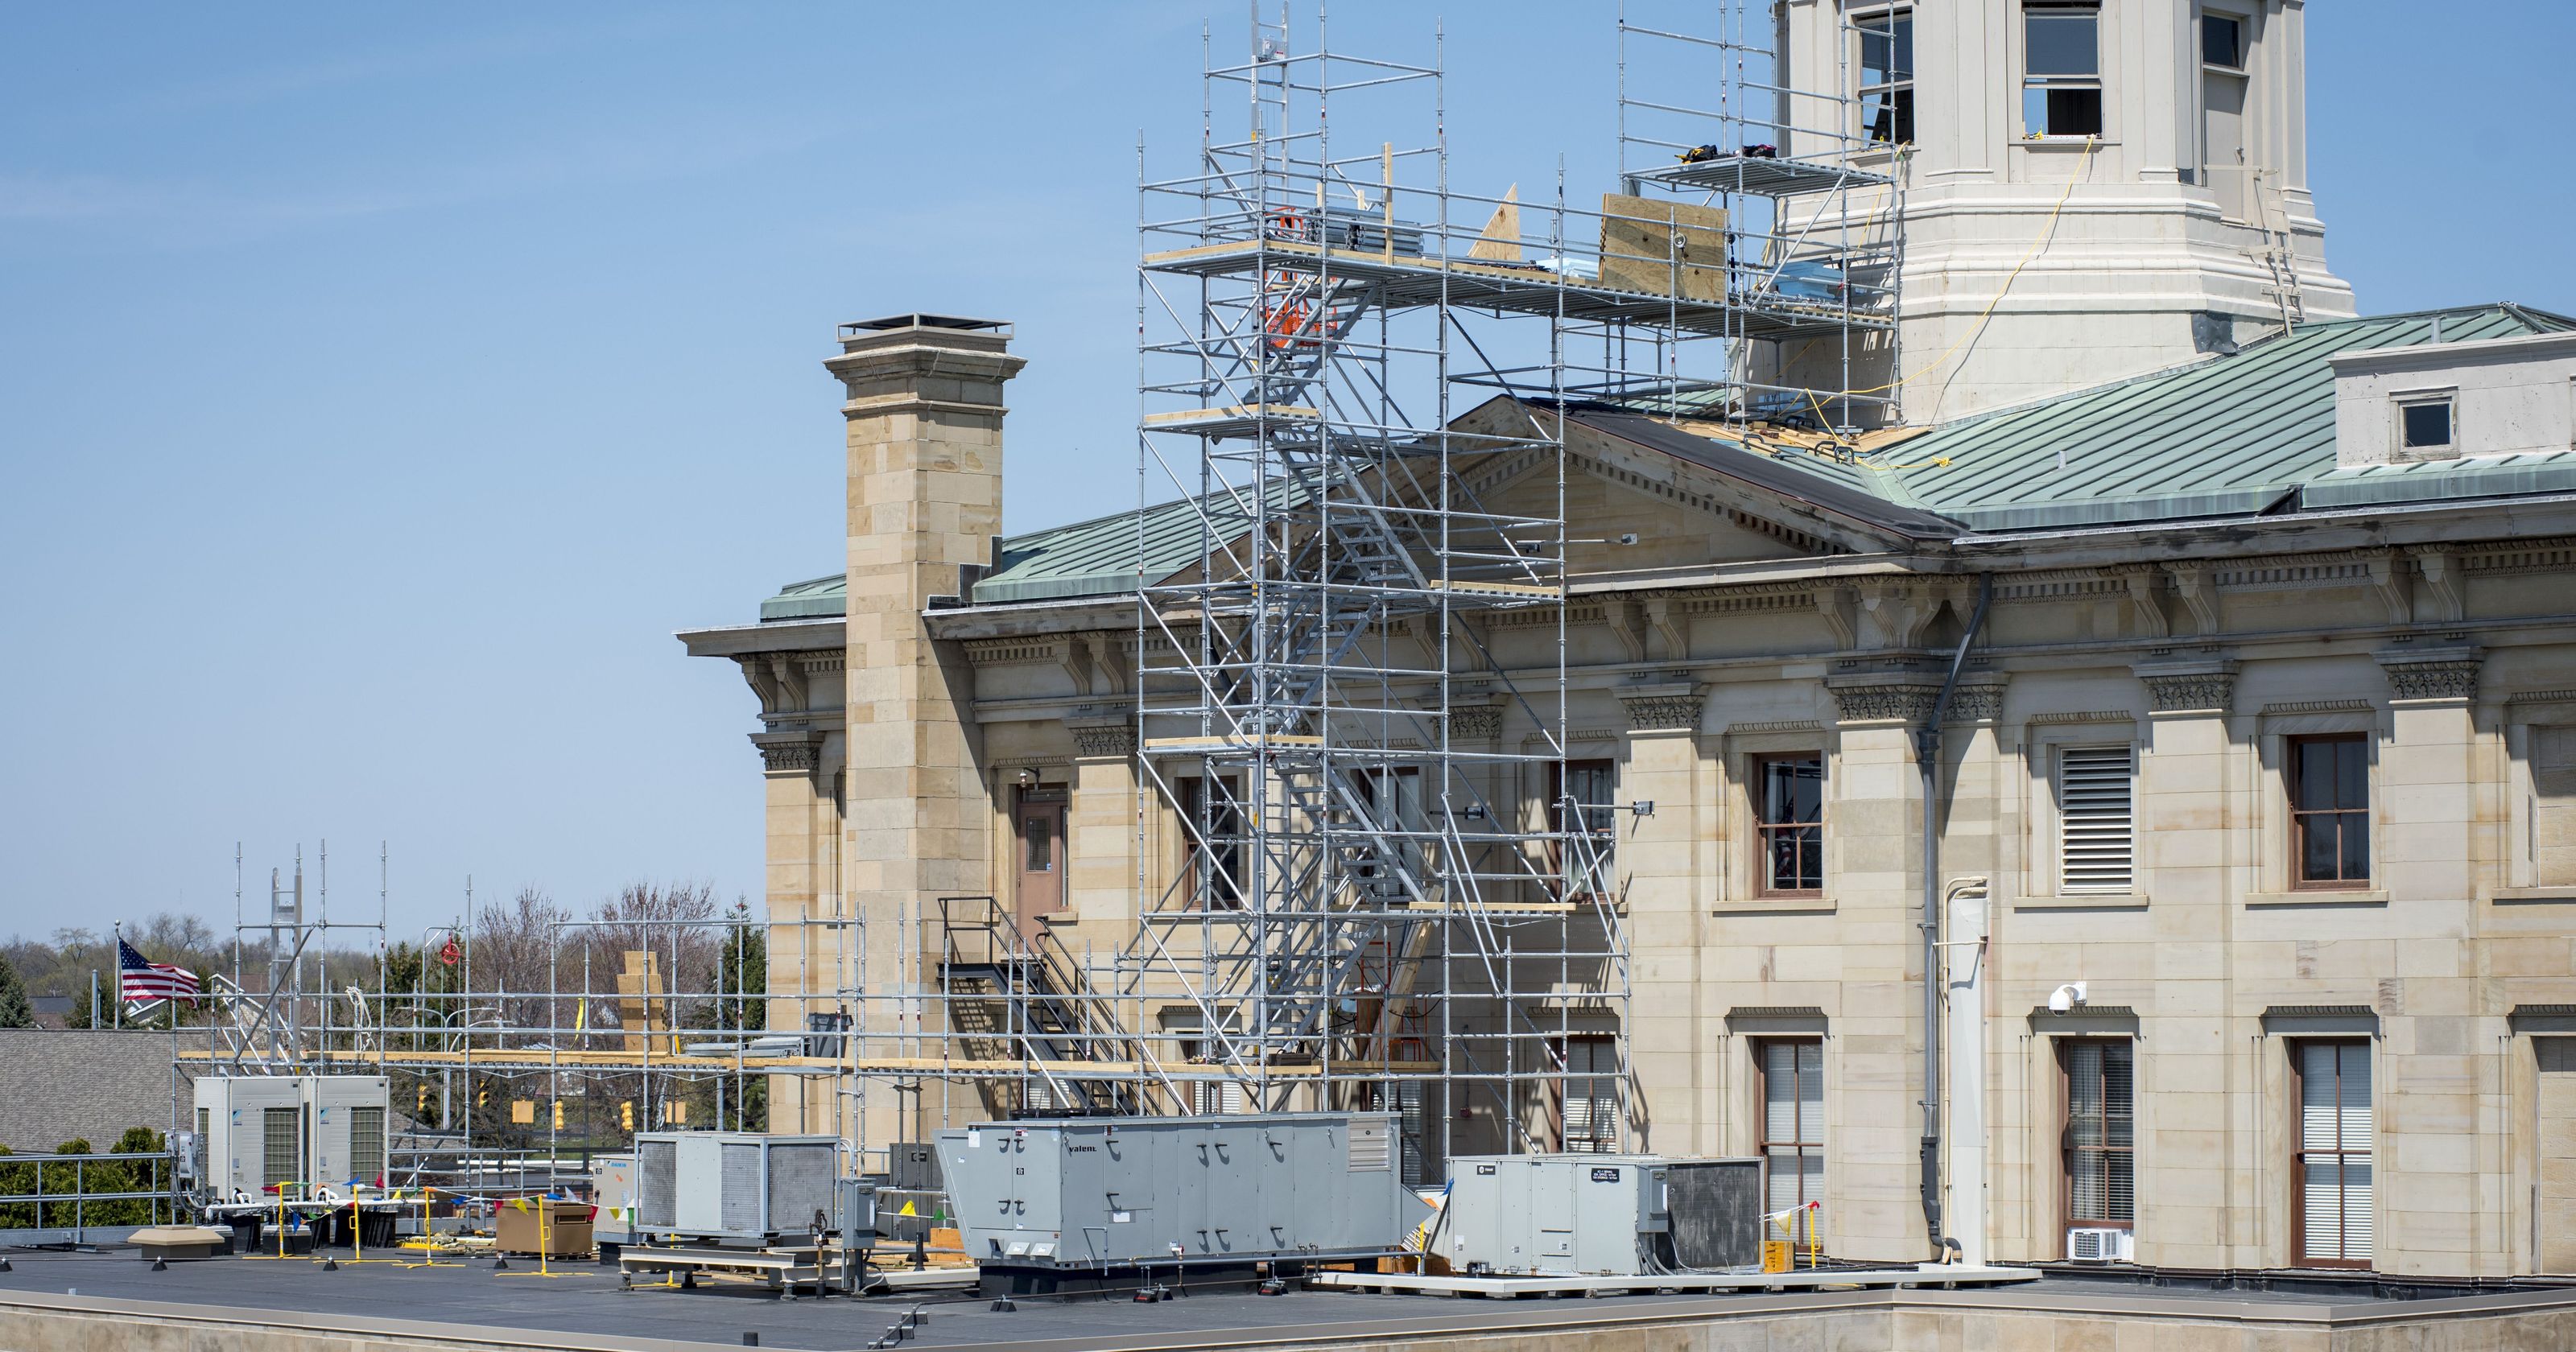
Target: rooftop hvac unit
x,y
2098,1244
734,1187
1103,1195
307,1135
1556,1214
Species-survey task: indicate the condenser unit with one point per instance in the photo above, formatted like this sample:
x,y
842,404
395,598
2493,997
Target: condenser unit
x,y
2098,1244
734,1187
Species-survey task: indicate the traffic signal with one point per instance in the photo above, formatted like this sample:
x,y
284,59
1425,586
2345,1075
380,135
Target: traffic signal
x,y
420,1101
483,1097
558,1114
626,1114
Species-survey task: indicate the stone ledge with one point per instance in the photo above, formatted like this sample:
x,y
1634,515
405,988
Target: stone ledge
x,y
2531,896
2084,901
2355,897
1777,906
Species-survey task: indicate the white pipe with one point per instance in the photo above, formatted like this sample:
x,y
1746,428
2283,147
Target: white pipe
x,y
1966,1089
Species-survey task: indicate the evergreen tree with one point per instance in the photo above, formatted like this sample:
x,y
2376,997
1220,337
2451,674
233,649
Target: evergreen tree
x,y
15,1011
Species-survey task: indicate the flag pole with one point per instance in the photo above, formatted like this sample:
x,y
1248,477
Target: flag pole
x,y
120,974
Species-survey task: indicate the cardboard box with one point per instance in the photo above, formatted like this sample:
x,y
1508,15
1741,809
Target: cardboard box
x,y
567,1227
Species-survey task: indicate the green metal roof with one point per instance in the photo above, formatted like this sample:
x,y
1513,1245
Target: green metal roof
x,y
2227,436
2236,435
2442,480
819,598
1108,555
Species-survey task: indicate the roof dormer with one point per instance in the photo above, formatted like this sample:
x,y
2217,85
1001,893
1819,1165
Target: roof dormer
x,y
2448,401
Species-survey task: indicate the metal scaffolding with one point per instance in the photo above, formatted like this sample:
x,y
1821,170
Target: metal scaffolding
x,y
1375,869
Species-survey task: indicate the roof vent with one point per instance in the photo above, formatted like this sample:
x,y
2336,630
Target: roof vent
x,y
2213,331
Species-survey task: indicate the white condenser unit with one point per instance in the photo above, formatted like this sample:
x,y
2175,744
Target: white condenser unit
x,y
2098,1244
733,1187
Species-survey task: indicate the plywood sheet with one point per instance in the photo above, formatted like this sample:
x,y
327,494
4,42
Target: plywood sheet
x,y
1649,243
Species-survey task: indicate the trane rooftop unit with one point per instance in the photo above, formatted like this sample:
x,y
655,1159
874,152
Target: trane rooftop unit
x,y
734,1187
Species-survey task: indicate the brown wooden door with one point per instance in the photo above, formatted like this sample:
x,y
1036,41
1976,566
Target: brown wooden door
x,y
1037,843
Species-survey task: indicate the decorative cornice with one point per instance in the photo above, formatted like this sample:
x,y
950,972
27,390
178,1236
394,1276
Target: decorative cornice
x,y
785,753
1782,725
2203,686
1878,699
2318,706
1977,700
1671,707
2444,673
2084,716
1101,734
2542,697
1475,722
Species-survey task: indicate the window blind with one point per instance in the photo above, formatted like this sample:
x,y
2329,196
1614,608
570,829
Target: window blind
x,y
2096,835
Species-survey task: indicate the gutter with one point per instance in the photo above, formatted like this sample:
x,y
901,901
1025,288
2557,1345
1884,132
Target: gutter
x,y
1927,763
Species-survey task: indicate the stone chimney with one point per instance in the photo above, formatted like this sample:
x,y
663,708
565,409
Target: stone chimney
x,y
924,416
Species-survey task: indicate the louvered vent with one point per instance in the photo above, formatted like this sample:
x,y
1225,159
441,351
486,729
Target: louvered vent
x,y
2097,840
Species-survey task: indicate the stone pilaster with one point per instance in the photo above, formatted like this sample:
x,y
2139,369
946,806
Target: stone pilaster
x,y
1659,871
924,419
1100,832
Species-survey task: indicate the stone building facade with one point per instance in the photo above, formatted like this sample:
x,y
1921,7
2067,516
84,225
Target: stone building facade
x,y
2255,788
2264,784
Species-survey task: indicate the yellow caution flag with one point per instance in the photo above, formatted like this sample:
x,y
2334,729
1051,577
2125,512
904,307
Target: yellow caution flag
x,y
907,1210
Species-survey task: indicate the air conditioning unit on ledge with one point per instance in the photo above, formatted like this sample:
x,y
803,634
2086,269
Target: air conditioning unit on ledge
x,y
2103,1244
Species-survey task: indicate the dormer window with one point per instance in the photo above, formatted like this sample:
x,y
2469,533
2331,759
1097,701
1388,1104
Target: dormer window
x,y
2061,94
2424,429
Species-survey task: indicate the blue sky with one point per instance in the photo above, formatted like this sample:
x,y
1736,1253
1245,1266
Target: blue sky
x,y
380,387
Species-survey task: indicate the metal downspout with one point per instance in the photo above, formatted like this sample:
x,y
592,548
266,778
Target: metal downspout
x,y
1927,762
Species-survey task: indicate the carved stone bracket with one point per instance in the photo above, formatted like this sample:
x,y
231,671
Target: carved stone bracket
x,y
1100,734
789,753
2204,685
1668,707
2191,582
778,679
2437,592
2141,581
2444,673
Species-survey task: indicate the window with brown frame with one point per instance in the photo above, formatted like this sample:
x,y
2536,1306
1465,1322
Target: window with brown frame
x,y
1587,1104
2101,1131
2330,1169
2330,811
1211,843
1789,816
1579,801
1792,1076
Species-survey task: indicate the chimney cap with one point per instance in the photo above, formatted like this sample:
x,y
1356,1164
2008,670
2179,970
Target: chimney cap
x,y
862,327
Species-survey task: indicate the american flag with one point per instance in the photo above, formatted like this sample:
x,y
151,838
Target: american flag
x,y
138,980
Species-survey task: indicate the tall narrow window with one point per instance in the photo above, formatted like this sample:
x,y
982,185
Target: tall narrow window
x,y
1789,804
2061,93
2332,1172
2330,811
2222,114
2553,804
2100,1133
1887,75
2095,837
1212,837
1580,807
1588,1109
1793,1124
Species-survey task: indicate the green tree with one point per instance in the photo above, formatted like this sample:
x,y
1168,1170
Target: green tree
x,y
15,1011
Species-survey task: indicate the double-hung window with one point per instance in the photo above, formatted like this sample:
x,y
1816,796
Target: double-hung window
x,y
1789,807
1588,1110
2061,88
2096,836
2330,811
2101,1132
1581,811
1793,1125
1887,75
2332,1171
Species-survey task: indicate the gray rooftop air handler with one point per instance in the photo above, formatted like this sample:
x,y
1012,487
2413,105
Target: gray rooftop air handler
x,y
1715,1213
1559,1215
735,1188
1100,1203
